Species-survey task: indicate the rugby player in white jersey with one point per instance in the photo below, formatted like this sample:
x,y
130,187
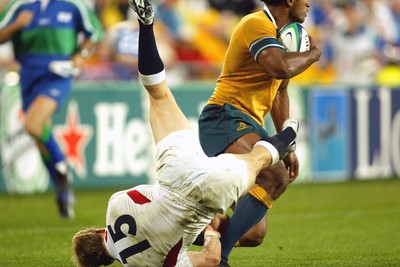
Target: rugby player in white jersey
x,y
154,225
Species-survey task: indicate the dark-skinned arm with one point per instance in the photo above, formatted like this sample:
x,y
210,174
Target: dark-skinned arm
x,y
285,65
279,113
280,107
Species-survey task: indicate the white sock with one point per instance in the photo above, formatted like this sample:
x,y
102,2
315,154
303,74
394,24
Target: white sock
x,y
271,149
152,79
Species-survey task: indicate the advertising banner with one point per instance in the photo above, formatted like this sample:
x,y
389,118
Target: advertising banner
x,y
104,130
375,133
329,133
21,166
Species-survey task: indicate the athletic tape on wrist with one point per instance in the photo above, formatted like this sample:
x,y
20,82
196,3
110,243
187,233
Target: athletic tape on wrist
x,y
274,152
152,79
291,148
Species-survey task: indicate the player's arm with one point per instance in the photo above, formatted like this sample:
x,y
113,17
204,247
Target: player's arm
x,y
23,19
279,113
83,52
210,255
93,32
285,65
280,108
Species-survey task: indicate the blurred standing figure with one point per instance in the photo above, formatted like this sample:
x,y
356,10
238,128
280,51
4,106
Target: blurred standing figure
x,y
45,36
395,8
377,15
355,46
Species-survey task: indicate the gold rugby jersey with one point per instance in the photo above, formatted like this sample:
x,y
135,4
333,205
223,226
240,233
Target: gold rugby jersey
x,y
243,82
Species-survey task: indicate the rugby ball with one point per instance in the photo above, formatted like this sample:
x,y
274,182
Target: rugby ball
x,y
294,37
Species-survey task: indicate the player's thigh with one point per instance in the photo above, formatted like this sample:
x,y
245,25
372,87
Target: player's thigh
x,y
39,113
243,144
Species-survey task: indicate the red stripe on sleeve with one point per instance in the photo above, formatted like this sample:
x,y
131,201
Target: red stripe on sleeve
x,y
137,197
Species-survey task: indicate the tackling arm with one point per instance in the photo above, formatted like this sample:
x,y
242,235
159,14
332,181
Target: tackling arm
x,y
210,255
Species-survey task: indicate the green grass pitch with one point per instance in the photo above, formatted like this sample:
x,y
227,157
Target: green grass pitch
x,y
335,224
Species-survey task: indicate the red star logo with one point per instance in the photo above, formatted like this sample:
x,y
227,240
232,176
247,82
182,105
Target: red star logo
x,y
73,138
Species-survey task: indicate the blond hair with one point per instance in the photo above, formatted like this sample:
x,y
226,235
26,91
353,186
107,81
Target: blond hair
x,y
89,250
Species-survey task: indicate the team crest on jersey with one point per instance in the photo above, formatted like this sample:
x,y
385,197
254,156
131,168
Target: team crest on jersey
x,y
242,126
64,17
73,138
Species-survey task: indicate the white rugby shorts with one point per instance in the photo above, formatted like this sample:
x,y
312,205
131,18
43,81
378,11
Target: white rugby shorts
x,y
211,183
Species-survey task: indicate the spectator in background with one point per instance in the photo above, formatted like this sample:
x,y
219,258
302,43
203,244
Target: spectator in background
x,y
378,17
101,66
111,11
168,15
204,38
45,39
356,47
122,38
389,75
395,8
116,58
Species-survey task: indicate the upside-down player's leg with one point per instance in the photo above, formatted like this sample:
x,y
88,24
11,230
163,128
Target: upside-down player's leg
x,y
165,115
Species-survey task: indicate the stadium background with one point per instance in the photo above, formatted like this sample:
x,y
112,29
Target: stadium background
x,y
348,103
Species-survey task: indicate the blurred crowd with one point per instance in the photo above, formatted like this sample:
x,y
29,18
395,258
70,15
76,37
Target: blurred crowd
x,y
360,40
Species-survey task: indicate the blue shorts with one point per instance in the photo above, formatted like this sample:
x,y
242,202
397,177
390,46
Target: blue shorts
x,y
219,126
40,81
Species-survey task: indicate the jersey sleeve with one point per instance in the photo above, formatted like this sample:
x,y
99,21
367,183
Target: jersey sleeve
x,y
8,15
259,35
89,22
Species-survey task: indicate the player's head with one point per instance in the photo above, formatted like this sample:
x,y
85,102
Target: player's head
x,y
298,9
273,2
89,249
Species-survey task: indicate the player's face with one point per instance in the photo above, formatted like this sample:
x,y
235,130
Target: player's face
x,y
299,10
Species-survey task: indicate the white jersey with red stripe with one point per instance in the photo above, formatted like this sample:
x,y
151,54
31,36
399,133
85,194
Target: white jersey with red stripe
x,y
154,225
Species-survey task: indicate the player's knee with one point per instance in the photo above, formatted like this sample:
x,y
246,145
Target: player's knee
x,y
32,127
274,180
253,240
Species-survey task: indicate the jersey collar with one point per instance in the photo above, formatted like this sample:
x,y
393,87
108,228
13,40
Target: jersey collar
x,y
269,15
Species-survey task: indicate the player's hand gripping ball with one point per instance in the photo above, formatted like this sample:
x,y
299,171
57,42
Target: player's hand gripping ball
x,y
294,37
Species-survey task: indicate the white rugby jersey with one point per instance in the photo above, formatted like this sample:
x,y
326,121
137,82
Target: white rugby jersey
x,y
153,225
145,228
